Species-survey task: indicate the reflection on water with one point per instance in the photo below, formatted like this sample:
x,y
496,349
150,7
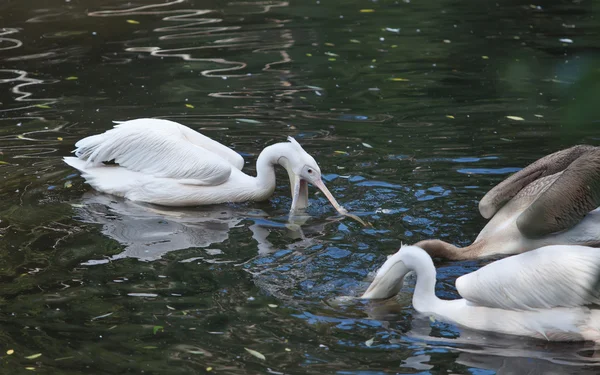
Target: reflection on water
x,y
403,104
504,354
149,232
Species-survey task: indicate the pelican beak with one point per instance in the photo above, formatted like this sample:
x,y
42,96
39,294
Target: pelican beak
x,y
299,192
319,183
389,279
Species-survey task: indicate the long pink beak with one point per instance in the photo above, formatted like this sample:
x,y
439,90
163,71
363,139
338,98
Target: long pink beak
x,y
319,183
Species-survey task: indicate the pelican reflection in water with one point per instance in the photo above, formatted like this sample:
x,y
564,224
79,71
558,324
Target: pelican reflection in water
x,y
149,232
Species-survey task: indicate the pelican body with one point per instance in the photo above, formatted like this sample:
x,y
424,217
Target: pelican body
x,y
550,293
166,163
553,201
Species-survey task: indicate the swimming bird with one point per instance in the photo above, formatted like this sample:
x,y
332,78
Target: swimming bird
x,y
553,201
550,293
166,163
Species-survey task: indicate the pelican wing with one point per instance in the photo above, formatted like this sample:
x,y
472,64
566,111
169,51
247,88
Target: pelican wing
x,y
546,166
551,276
161,148
567,200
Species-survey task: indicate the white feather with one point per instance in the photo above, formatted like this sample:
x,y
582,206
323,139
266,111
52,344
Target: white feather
x,y
161,148
551,276
549,293
166,163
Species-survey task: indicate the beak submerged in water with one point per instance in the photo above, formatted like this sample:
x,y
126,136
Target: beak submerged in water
x,y
389,279
299,192
300,196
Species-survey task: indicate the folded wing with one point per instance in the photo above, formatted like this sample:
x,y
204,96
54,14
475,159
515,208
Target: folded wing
x,y
551,276
161,148
546,166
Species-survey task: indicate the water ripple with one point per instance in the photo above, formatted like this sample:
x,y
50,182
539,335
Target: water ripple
x,y
16,42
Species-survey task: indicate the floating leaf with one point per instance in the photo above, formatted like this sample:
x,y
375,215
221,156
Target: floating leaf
x,y
309,54
158,328
540,116
331,54
63,358
341,152
566,40
288,349
189,106
330,44
10,352
367,10
247,120
516,118
398,79
449,116
208,369
354,41
367,145
133,22
30,368
485,57
447,41
170,308
43,106
34,356
71,78
103,315
59,138
68,184
369,342
331,59
3,162
272,306
256,354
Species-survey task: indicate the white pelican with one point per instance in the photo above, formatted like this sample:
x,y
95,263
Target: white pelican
x,y
553,201
548,293
166,163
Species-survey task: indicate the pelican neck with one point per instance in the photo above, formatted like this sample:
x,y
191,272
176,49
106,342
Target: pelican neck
x,y
265,165
424,298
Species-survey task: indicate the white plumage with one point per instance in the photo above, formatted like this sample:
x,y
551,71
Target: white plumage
x,y
166,163
161,148
549,293
544,278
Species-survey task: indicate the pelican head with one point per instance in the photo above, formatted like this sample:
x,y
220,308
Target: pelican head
x,y
390,277
302,170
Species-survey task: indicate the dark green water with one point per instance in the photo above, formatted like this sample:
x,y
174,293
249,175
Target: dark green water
x,y
403,105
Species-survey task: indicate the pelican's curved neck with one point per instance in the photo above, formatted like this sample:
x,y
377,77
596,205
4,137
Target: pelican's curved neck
x,y
441,249
424,298
265,165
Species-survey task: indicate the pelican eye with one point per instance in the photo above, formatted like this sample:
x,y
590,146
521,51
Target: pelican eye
x,y
309,171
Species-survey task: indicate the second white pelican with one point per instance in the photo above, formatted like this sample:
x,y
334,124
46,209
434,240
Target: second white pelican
x,y
549,293
166,163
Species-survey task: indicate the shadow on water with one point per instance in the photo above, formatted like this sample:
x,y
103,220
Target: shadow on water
x,y
403,104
